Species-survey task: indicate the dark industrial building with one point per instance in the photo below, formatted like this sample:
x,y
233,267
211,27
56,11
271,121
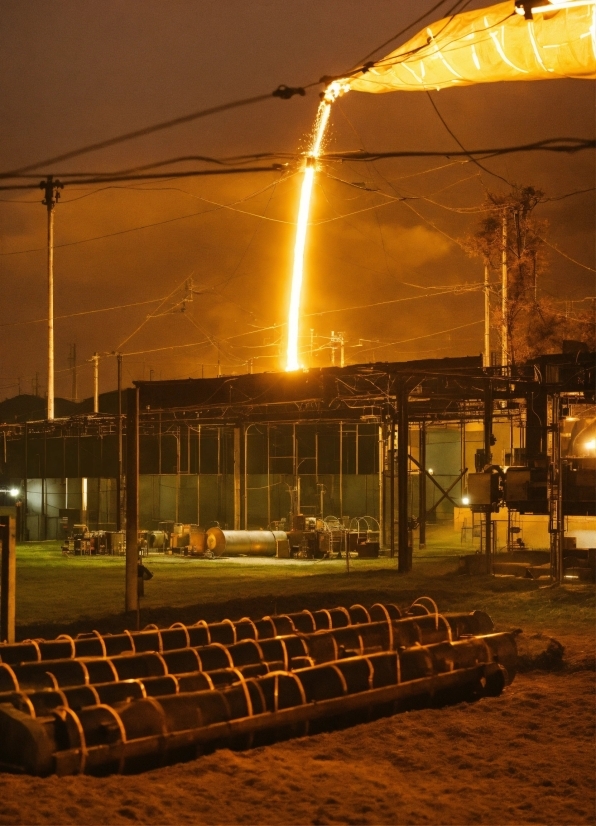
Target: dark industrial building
x,y
413,439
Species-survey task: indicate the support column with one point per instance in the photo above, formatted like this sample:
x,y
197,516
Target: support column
x,y
119,474
8,571
488,432
392,485
24,534
422,486
245,476
555,504
237,478
381,460
132,499
403,455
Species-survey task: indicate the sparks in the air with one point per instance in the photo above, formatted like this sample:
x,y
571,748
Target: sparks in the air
x,y
333,91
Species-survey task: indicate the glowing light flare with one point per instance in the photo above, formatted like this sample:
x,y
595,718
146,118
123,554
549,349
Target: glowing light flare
x,y
292,362
333,91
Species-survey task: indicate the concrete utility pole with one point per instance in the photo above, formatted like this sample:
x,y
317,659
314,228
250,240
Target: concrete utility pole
x,y
73,367
504,301
51,190
95,360
486,316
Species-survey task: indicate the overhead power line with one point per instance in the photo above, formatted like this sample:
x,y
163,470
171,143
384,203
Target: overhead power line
x,y
407,28
460,144
83,312
560,145
568,257
428,335
568,145
283,92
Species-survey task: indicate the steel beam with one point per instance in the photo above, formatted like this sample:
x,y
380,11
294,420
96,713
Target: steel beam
x,y
132,500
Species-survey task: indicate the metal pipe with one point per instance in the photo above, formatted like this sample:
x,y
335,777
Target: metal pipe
x,y
243,543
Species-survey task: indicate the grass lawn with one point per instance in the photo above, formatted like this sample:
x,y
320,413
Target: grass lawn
x,y
59,594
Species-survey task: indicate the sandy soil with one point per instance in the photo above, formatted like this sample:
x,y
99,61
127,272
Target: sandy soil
x,y
525,757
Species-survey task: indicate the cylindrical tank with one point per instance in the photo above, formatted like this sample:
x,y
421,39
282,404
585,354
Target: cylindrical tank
x,y
243,543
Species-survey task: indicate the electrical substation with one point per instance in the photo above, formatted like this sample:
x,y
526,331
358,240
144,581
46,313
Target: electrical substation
x,y
328,462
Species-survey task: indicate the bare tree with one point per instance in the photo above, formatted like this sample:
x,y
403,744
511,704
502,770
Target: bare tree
x,y
535,325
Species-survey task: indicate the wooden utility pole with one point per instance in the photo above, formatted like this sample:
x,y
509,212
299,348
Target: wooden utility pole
x,y
51,190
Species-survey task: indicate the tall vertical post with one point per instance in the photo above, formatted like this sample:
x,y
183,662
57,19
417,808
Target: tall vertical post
x,y
403,457
381,461
8,576
486,355
44,489
119,474
555,504
422,486
341,467
95,360
24,535
504,298
245,477
73,365
392,485
237,478
488,430
132,499
51,191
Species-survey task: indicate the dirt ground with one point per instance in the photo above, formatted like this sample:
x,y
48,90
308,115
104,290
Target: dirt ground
x,y
524,757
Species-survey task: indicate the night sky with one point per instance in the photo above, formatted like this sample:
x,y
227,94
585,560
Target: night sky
x,y
73,73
